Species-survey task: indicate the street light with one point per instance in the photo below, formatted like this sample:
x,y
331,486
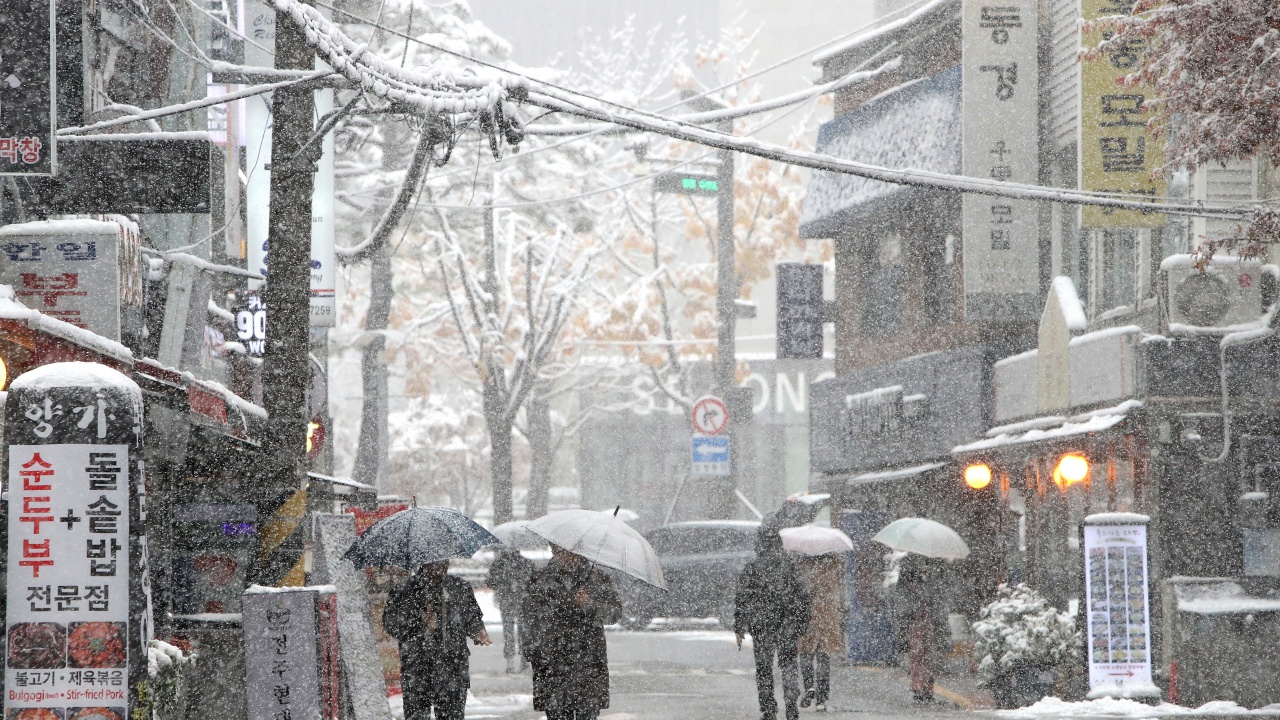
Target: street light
x,y
977,476
1071,469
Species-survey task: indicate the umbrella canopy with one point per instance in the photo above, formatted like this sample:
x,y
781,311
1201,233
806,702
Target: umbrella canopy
x,y
814,540
419,535
604,539
798,510
516,534
923,537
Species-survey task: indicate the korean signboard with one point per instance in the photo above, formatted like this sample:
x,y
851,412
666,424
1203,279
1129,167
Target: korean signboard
x,y
1118,154
27,88
84,272
800,311
284,653
999,92
1119,629
76,612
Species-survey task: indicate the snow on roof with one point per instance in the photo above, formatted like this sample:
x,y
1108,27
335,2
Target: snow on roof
x,y
924,9
1064,289
161,135
915,126
267,590
1221,598
77,226
11,309
894,474
77,375
347,482
1103,334
1071,428
1116,518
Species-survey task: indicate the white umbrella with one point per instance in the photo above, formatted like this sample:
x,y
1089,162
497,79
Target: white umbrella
x,y
604,539
923,537
516,534
814,540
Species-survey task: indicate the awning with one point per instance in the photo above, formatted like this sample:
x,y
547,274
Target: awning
x,y
1058,428
877,476
916,125
343,482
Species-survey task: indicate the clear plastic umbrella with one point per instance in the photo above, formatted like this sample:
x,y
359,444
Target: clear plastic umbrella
x,y
815,540
604,539
923,537
516,534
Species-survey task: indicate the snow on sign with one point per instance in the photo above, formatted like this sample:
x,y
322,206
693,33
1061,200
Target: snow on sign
x,y
76,588
27,142
710,455
1119,629
710,415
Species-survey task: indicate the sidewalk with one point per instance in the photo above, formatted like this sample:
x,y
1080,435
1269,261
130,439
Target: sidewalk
x,y
887,690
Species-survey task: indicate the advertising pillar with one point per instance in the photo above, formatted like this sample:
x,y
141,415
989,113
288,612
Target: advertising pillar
x,y
78,612
1116,595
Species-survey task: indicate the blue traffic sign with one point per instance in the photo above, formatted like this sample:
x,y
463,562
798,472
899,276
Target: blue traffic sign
x,y
710,454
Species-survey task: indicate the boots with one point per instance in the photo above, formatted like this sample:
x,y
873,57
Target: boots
x,y
513,666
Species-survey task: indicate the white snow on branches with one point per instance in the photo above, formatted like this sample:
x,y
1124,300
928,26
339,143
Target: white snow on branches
x,y
1020,626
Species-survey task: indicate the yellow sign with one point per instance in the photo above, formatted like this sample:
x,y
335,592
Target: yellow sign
x,y
1117,152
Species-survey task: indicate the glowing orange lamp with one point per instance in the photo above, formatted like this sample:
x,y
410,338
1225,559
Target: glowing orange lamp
x,y
977,476
1072,468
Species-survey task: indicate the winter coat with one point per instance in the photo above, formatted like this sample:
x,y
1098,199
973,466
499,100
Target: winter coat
x,y
825,576
772,599
564,641
435,661
508,577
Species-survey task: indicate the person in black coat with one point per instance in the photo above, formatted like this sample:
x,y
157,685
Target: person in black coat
x,y
509,578
432,615
565,610
773,606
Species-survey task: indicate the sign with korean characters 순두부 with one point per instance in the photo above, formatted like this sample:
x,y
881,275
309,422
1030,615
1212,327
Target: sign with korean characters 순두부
x,y
1119,628
76,611
1118,154
1001,240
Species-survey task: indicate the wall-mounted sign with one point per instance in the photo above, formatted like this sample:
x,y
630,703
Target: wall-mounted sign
x,y
1001,239
27,94
251,325
1119,629
1118,154
801,310
282,653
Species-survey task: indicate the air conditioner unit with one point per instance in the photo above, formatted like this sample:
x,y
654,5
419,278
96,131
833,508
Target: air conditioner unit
x,y
1227,294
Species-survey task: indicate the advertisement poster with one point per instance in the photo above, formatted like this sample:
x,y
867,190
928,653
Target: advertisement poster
x,y
998,91
1119,629
281,663
68,582
1118,154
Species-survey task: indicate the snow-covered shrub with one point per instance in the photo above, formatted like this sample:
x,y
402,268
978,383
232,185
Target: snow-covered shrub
x,y
1020,626
166,665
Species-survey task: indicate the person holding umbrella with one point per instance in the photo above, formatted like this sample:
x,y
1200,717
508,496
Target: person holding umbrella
x,y
432,614
568,603
773,605
820,555
509,577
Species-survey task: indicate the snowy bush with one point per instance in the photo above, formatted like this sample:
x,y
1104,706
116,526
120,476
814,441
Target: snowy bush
x,y
165,665
1020,626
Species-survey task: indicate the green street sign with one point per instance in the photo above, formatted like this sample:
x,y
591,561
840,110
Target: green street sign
x,y
686,184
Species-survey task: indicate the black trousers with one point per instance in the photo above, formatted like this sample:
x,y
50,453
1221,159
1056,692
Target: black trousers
x,y
815,668
428,691
571,715
784,650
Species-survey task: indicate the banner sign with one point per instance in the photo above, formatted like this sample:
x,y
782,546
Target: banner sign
x,y
28,99
281,653
76,617
1119,630
1118,154
999,93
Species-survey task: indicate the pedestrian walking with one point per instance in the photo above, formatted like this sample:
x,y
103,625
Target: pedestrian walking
x,y
773,606
918,591
565,609
508,578
432,615
825,637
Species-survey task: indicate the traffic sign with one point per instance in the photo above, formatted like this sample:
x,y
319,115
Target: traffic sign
x,y
686,184
710,455
710,415
27,100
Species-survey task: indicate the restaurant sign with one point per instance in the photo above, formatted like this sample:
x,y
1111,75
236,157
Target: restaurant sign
x,y
1119,627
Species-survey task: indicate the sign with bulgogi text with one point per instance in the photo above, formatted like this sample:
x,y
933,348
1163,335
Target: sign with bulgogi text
x,y
999,92
1119,628
75,600
27,97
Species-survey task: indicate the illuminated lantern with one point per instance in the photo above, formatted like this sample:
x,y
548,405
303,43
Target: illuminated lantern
x,y
977,476
4,374
1071,469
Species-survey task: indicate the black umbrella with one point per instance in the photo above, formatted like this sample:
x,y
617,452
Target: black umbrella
x,y
796,511
417,536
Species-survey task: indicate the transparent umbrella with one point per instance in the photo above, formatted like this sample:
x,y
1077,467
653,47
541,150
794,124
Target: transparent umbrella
x,y
604,539
923,537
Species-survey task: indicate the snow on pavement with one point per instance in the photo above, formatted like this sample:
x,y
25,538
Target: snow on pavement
x,y
484,706
1113,707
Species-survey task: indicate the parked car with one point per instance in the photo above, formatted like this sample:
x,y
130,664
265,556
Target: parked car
x,y
701,561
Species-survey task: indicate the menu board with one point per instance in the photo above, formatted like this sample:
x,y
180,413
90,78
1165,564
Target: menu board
x,y
1119,621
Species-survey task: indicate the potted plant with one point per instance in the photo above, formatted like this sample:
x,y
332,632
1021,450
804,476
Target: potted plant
x,y
1022,641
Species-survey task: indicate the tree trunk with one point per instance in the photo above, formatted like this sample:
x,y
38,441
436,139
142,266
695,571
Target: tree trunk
x,y
538,410
371,454
499,426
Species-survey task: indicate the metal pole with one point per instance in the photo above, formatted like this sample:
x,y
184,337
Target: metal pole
x,y
726,367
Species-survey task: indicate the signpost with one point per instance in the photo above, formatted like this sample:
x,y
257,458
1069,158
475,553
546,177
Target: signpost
x,y
78,611
686,184
28,99
1119,628
710,416
710,455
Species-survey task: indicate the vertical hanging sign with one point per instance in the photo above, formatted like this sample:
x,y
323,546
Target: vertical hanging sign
x,y
282,654
1118,154
999,95
28,95
76,618
1115,557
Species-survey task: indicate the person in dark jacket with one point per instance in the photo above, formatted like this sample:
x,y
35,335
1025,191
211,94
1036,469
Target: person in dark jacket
x,y
918,588
567,605
773,606
432,615
508,578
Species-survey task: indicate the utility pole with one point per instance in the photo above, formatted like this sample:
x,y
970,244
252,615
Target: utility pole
x,y
287,293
